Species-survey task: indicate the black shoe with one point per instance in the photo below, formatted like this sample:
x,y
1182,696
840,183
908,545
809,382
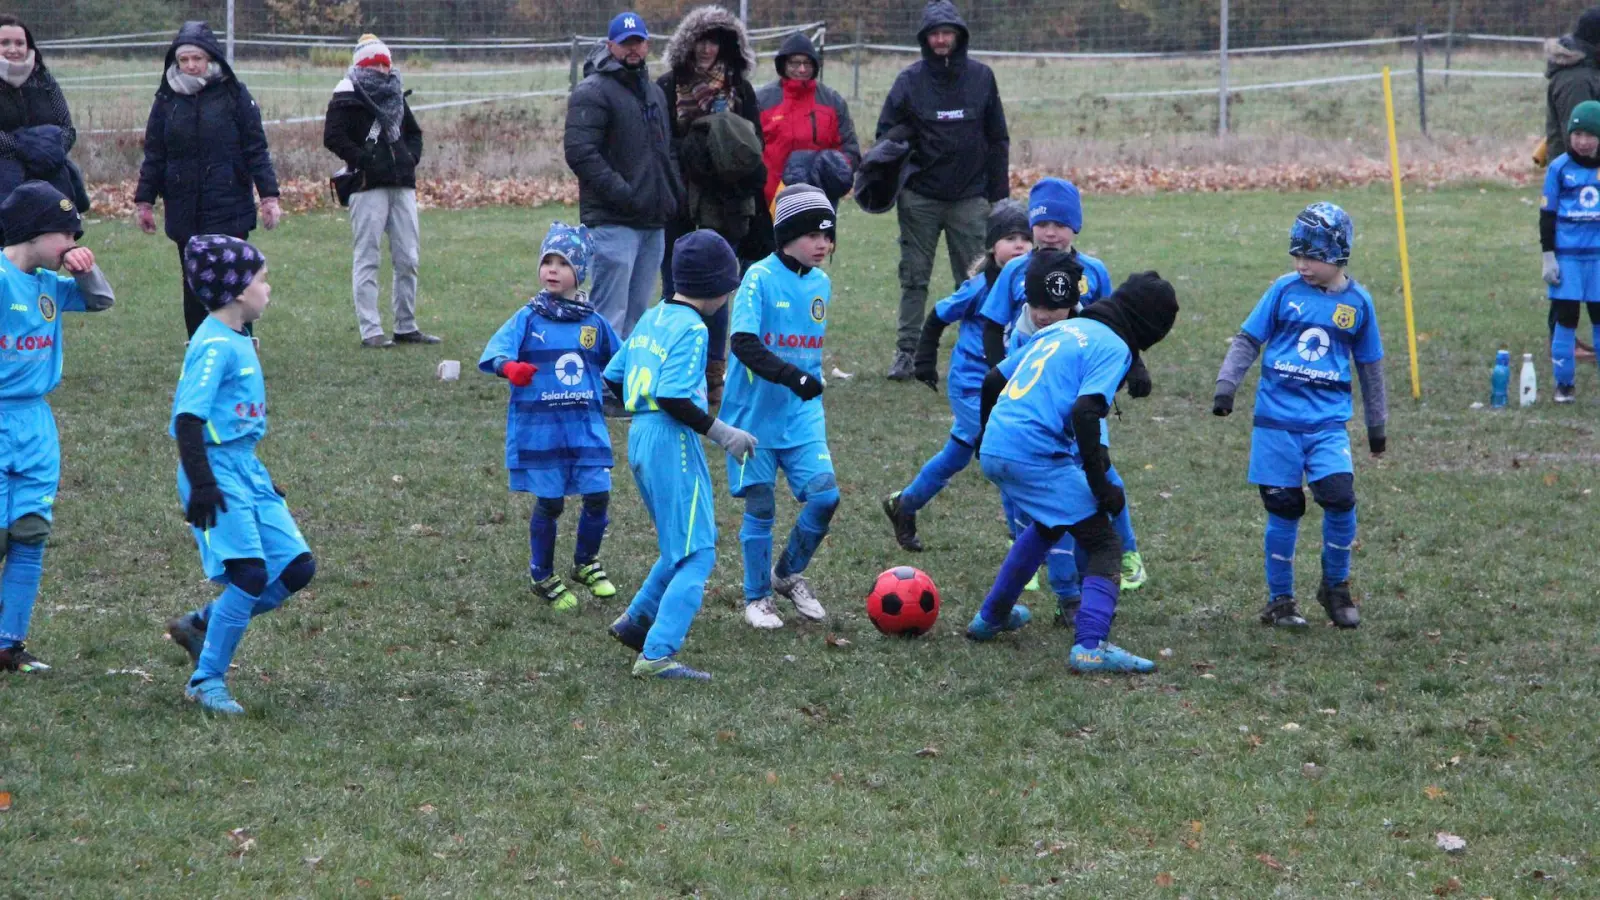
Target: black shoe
x,y
377,343
905,524
188,633
902,367
416,337
16,658
1067,612
1335,598
1281,612
1566,393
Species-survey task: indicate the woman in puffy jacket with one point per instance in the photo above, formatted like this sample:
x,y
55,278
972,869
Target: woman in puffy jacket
x,y
800,114
35,126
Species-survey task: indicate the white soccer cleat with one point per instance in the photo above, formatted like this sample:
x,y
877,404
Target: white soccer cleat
x,y
798,590
762,614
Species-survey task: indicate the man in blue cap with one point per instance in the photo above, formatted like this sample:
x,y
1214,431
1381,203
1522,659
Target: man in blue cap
x,y
619,145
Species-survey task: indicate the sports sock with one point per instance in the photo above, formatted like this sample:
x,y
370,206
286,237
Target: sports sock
x,y
1093,623
1594,340
541,544
270,599
755,538
684,594
1020,564
935,474
1563,354
591,530
1338,538
809,530
230,616
19,589
1278,548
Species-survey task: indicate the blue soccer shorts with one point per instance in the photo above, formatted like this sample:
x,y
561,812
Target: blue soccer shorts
x,y
30,460
674,482
966,407
1285,458
801,465
257,523
1580,278
1051,495
563,480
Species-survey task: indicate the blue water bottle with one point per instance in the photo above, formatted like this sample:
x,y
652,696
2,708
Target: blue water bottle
x,y
1500,381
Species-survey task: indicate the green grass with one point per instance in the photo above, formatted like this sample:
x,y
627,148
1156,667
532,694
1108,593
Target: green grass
x,y
420,726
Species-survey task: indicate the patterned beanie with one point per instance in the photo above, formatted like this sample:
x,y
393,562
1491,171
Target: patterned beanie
x,y
218,267
573,244
371,52
799,210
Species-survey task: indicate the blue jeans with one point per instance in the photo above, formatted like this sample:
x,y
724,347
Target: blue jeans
x,y
626,261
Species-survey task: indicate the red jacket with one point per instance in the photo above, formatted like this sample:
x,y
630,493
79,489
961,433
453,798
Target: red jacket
x,y
801,120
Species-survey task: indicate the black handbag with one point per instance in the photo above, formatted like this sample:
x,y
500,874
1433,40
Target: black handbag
x,y
347,181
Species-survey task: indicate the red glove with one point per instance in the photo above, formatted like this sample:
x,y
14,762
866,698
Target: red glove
x,y
519,373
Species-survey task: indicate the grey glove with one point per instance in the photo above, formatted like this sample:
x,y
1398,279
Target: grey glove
x,y
1552,269
736,441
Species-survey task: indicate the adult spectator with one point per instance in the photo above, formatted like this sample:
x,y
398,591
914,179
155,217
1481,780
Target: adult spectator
x,y
716,136
35,126
369,125
205,153
961,150
1572,72
618,143
801,115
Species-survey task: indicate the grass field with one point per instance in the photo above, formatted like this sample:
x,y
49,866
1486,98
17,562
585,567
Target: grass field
x,y
419,726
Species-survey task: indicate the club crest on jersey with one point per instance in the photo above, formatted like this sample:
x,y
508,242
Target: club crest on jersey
x,y
66,205
587,336
47,307
1344,316
819,310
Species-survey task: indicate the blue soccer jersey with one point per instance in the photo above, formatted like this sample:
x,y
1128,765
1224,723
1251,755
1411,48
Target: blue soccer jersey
x,y
557,420
222,383
665,357
1308,338
968,365
1010,290
1022,334
30,329
1572,192
789,313
1032,420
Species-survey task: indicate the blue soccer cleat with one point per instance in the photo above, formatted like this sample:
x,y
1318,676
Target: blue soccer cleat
x,y
982,629
212,695
629,633
1107,657
667,669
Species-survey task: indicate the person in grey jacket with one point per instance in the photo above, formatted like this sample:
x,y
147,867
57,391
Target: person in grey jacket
x,y
618,143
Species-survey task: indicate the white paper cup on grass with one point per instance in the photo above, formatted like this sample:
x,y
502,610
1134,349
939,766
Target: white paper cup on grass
x,y
450,370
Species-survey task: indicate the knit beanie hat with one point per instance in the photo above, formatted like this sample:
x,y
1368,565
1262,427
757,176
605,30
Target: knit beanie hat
x,y
1054,279
704,266
35,208
1056,200
571,243
801,209
1585,118
218,267
1324,232
371,52
1141,310
1588,27
1007,217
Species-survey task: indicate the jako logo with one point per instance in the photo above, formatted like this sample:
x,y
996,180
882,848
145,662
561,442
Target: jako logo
x,y
569,369
1314,344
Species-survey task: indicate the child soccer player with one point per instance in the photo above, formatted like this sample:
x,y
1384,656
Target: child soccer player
x,y
41,230
774,391
1308,327
660,373
1034,404
1569,235
248,541
1008,238
554,351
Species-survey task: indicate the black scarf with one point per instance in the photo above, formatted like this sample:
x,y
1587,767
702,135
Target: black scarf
x,y
1141,311
384,93
560,309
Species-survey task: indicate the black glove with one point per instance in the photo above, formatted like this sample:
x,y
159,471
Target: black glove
x,y
1139,385
278,490
804,386
1111,500
927,372
1377,444
205,501
1222,405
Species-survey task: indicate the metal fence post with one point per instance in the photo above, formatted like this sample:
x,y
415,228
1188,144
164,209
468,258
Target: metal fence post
x,y
855,91
229,47
1222,76
1449,41
1422,86
572,66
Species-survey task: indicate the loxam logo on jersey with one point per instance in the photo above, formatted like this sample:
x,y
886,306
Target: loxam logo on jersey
x,y
819,309
1344,316
247,410
28,342
793,341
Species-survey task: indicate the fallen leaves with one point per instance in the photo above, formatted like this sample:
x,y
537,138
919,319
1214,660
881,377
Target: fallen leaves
x,y
1451,886
1270,861
1434,792
1164,879
1449,843
5,801
834,640
242,842
1312,771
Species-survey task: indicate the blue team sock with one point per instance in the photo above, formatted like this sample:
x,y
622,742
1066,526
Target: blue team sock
x,y
647,602
1338,538
1062,563
935,474
591,530
755,537
809,530
19,589
1278,548
1099,605
680,602
270,599
541,544
1020,565
1123,523
230,615
1563,354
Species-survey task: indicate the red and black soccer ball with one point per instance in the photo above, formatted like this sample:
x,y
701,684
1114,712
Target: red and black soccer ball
x,y
904,602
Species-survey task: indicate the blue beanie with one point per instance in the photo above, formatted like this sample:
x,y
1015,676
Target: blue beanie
x,y
1055,200
35,208
704,266
571,243
219,267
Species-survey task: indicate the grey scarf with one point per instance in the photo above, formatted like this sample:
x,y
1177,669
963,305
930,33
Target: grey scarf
x,y
191,84
385,93
16,73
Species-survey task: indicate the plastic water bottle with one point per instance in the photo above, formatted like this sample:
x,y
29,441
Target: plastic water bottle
x,y
1500,381
1530,381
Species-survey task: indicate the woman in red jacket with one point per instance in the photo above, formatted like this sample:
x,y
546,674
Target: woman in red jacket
x,y
798,113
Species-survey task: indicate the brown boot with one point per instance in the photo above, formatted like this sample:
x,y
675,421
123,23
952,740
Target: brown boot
x,y
716,372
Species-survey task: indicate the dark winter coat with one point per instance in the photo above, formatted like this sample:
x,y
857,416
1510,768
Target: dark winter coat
x,y
205,153
961,147
797,116
618,143
1573,76
36,131
884,171
382,164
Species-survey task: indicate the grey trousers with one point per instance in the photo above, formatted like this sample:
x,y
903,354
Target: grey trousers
x,y
964,223
374,213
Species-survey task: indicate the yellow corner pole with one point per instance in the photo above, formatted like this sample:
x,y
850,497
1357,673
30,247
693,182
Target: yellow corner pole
x,y
1400,228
